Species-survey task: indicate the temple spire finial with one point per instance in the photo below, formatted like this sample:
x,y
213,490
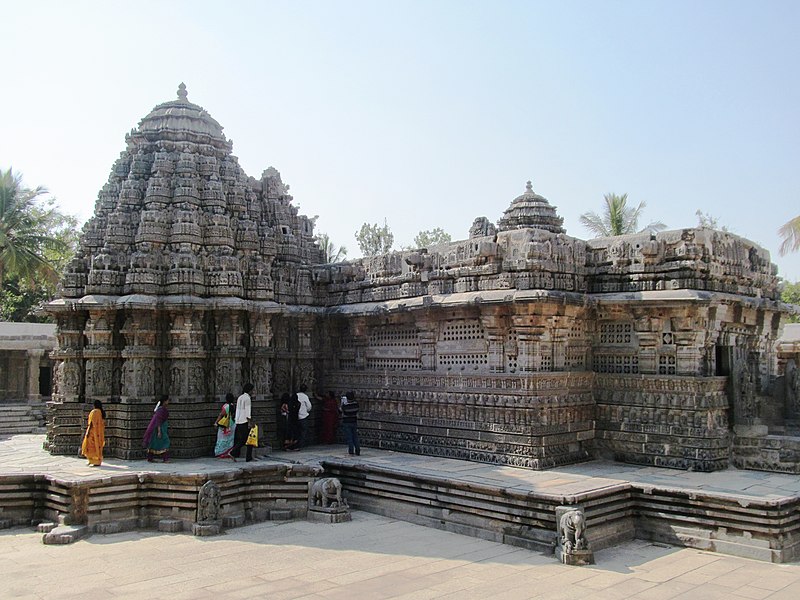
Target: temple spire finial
x,y
182,95
529,187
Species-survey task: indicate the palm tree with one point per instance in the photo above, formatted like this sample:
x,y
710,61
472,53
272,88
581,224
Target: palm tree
x,y
23,239
618,218
790,232
332,254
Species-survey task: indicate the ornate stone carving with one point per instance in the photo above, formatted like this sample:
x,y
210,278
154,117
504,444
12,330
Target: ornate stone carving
x,y
325,501
209,518
326,493
209,499
572,547
520,345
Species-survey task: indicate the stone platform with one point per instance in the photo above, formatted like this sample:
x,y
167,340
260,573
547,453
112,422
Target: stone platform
x,y
743,513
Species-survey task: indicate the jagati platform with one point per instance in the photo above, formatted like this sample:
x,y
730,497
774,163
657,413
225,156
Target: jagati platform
x,y
744,513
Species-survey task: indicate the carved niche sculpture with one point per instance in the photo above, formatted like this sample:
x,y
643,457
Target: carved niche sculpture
x,y
572,547
209,521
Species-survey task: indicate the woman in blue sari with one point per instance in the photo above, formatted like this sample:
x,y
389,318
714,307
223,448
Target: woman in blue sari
x,y
156,437
225,428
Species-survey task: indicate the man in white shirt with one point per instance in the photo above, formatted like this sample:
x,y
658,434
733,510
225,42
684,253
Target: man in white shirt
x,y
302,416
243,418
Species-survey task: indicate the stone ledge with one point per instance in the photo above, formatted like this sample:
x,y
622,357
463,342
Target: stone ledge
x,y
65,534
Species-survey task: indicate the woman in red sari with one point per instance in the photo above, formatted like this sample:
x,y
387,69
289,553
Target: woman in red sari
x,y
95,437
330,418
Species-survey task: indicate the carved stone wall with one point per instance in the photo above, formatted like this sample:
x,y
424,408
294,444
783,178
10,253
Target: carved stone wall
x,y
520,345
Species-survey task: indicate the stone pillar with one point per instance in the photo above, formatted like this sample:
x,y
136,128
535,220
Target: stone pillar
x,y
230,354
360,334
69,358
304,373
34,357
495,328
100,354
427,344
187,355
260,354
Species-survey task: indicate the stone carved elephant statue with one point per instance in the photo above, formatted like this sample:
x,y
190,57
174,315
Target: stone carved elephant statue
x,y
326,493
572,531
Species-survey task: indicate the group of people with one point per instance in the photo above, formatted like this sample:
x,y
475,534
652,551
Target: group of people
x,y
234,426
293,426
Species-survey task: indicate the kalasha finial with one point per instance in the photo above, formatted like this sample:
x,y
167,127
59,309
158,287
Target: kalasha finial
x,y
529,187
182,92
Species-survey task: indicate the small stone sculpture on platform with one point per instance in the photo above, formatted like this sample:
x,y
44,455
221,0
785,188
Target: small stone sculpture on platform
x,y
209,521
572,547
327,493
325,501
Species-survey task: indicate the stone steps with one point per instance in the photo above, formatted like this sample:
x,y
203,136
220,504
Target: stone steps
x,y
750,527
21,419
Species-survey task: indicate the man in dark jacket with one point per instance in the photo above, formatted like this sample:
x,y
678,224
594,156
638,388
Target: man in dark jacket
x,y
349,408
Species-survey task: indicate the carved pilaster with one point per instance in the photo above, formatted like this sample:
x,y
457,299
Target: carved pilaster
x,y
188,354
140,356
100,355
261,355
34,358
427,344
69,375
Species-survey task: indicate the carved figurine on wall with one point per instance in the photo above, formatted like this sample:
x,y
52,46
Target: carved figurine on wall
x,y
572,547
209,499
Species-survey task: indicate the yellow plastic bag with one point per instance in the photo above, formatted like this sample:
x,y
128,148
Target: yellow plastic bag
x,y
252,437
224,420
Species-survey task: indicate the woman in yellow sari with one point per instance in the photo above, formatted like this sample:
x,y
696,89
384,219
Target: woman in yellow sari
x,y
95,437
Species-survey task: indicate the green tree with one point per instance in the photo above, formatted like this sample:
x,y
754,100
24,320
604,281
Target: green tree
x,y
707,221
431,237
791,295
36,241
332,253
618,218
790,232
24,239
374,239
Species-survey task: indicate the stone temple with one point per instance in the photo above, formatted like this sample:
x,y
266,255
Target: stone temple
x,y
518,345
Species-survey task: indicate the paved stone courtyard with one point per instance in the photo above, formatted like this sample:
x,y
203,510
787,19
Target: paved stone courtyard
x,y
370,557
374,556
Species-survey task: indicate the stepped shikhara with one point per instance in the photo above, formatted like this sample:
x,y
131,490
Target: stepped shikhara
x,y
519,345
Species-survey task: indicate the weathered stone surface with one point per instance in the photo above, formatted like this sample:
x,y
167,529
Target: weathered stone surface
x,y
279,514
322,516
520,345
170,525
205,529
65,534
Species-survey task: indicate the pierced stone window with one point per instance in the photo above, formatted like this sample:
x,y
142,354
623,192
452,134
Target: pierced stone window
x,y
511,350
393,335
347,364
393,364
462,360
616,333
667,338
616,363
455,331
576,331
666,365
575,358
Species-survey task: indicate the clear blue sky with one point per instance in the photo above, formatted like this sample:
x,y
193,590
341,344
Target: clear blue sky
x,y
430,113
